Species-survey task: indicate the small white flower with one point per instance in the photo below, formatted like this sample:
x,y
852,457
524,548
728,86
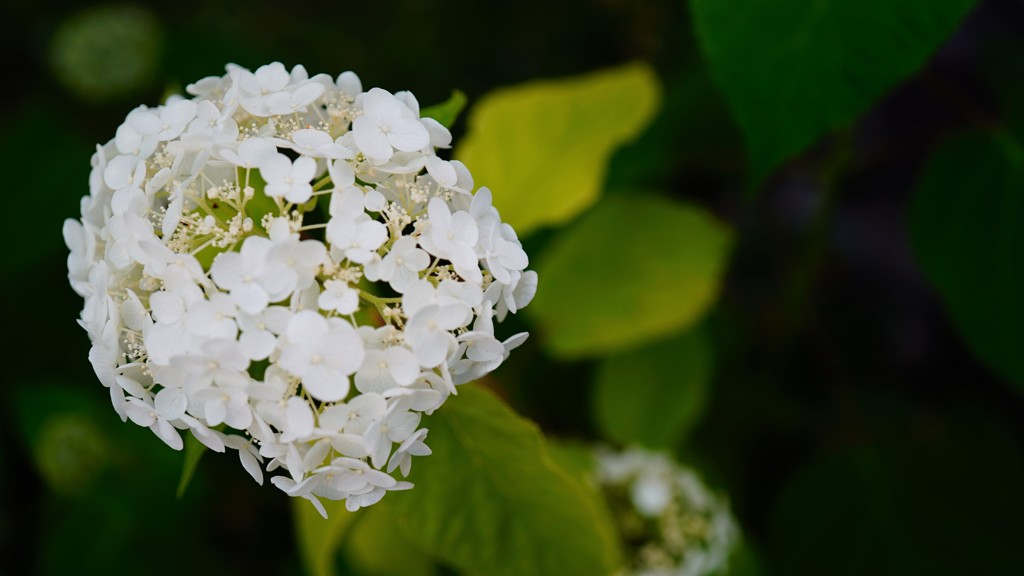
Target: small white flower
x,y
125,175
213,318
514,295
248,454
412,446
452,236
356,240
298,420
251,277
395,425
323,353
126,235
317,144
483,352
214,124
339,297
81,242
346,476
303,257
503,253
294,99
146,415
227,404
166,123
387,125
217,362
385,369
260,331
256,88
429,333
354,416
207,437
401,266
349,85
288,180
463,295
251,153
132,143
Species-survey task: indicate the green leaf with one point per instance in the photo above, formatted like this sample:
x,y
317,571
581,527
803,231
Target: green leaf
x,y
448,111
633,270
967,230
374,545
796,70
653,395
574,457
319,538
1001,55
490,500
194,451
543,147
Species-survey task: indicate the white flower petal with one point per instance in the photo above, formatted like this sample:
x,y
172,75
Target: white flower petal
x,y
299,418
171,403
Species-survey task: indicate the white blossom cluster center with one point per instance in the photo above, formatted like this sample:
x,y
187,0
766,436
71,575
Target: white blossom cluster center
x,y
669,522
283,266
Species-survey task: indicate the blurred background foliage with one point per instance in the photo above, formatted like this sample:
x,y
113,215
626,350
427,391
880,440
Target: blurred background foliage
x,y
782,240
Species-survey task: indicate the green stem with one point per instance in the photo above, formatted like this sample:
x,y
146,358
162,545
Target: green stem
x,y
321,183
378,301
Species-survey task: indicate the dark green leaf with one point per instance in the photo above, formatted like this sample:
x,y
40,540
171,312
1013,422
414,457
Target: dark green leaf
x,y
446,112
491,501
742,562
635,269
967,229
653,395
796,70
1007,85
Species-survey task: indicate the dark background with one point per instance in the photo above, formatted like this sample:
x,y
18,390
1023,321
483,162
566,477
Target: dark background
x,y
851,427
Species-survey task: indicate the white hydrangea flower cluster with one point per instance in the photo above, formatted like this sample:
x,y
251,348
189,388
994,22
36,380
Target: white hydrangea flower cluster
x,y
284,266
670,523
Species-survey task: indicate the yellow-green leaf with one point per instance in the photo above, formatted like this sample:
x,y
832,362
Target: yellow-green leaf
x,y
490,500
634,269
375,546
543,147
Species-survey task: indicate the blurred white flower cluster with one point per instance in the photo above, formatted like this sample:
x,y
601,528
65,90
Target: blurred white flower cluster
x,y
283,266
670,523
